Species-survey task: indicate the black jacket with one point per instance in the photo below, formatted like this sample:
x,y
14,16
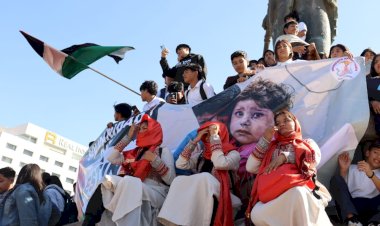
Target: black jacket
x,y
232,80
176,72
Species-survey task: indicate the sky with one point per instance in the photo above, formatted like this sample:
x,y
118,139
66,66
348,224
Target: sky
x,y
80,108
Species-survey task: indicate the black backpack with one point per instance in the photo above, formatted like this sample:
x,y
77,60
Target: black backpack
x,y
70,212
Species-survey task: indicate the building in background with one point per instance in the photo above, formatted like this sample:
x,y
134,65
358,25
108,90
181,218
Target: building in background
x,y
55,154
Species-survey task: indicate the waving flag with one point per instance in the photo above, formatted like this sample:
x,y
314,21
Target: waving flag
x,y
74,59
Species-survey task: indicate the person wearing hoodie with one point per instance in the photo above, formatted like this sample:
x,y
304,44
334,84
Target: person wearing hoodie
x,y
185,57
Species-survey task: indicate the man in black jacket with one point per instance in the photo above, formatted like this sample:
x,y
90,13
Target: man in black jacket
x,y
185,57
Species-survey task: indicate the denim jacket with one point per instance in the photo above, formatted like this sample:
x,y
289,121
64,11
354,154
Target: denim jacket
x,y
22,207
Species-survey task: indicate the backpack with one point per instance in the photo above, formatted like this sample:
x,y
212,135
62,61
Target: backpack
x,y
70,212
201,91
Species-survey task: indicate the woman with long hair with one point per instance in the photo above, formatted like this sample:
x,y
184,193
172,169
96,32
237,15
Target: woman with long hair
x,y
26,204
375,67
368,54
283,52
339,50
372,88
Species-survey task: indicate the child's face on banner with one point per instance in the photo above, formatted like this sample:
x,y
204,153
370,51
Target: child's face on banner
x,y
249,121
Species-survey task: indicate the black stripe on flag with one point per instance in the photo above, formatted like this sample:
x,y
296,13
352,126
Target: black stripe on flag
x,y
70,50
36,44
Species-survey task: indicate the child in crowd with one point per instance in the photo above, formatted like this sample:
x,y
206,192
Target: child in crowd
x,y
251,113
356,189
239,60
247,116
253,64
269,59
302,28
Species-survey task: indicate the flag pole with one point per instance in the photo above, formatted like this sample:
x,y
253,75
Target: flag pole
x,y
102,74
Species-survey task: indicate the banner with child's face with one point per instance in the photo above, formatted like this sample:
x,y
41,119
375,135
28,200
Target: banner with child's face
x,y
329,100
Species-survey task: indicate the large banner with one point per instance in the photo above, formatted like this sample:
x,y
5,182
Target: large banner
x,y
330,101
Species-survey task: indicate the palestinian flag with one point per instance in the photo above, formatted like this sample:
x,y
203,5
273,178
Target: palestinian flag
x,y
74,59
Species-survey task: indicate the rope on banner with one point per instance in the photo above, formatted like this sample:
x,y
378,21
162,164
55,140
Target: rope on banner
x,y
307,88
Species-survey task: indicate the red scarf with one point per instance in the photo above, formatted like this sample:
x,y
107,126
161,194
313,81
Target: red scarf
x,y
149,141
301,173
224,212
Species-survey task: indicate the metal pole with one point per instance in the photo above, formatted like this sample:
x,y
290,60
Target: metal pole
x,y
100,73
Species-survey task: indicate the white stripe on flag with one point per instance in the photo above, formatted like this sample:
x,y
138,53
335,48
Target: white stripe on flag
x,y
54,58
121,52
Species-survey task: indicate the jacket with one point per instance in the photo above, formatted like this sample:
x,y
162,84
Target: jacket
x,y
176,72
22,207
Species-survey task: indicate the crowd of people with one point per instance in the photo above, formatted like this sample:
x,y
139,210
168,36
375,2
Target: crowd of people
x,y
34,198
256,167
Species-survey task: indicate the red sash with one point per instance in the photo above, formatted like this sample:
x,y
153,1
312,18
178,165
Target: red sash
x,y
224,213
277,182
269,186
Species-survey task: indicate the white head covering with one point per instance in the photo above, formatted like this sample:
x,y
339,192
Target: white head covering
x,y
302,27
292,39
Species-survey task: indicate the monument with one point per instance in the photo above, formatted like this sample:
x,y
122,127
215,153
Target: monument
x,y
320,17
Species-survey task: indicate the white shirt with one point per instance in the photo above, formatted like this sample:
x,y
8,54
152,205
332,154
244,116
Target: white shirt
x,y
360,185
156,100
193,95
